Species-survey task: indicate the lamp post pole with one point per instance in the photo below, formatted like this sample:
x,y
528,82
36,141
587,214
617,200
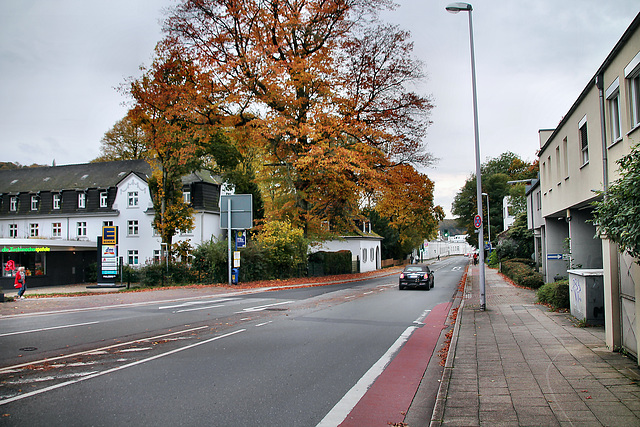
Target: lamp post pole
x,y
466,7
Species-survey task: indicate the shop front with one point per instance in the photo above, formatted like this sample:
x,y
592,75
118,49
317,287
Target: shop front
x,y
47,263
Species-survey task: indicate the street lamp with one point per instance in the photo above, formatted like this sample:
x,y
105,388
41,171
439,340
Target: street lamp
x,y
488,221
466,7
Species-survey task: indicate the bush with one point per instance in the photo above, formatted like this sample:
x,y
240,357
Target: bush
x,y
522,274
91,273
555,294
130,274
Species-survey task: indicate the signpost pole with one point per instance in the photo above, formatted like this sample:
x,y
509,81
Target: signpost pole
x,y
229,237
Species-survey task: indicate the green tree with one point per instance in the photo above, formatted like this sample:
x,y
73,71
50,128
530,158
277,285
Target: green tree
x,y
617,215
495,174
517,241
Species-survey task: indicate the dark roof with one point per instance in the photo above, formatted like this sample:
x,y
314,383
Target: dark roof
x,y
201,176
69,177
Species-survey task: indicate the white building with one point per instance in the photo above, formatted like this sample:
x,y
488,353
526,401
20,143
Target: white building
x,y
50,217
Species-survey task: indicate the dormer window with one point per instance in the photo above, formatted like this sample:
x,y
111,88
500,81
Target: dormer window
x,y
103,199
13,204
34,203
82,200
186,197
56,201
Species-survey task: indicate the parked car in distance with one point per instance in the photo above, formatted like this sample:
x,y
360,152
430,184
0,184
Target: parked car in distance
x,y
416,275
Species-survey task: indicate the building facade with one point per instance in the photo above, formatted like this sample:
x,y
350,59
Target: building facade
x,y
578,163
50,217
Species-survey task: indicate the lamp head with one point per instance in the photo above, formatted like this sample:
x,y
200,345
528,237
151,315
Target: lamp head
x,y
484,194
458,7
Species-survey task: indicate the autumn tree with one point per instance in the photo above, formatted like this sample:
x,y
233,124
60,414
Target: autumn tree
x,y
326,88
407,201
495,174
163,111
126,140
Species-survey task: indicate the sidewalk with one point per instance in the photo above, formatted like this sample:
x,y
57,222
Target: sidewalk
x,y
519,364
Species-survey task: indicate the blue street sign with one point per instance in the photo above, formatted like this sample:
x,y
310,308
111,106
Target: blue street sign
x,y
241,239
554,256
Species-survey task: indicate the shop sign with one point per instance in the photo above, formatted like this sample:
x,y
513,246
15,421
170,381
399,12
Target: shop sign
x,y
19,249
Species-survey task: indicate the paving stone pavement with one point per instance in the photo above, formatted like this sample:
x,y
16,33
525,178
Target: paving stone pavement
x,y
519,364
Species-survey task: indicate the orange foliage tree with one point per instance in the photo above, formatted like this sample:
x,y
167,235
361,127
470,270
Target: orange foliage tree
x,y
325,88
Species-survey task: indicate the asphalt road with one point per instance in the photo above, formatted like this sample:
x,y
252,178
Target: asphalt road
x,y
291,357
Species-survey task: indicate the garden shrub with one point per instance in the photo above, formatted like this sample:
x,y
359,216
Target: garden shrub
x,y
555,294
522,274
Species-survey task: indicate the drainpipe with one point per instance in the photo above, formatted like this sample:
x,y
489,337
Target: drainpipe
x,y
603,134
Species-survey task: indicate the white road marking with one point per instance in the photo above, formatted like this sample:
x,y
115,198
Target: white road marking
x,y
199,308
190,303
262,307
47,329
97,351
265,323
119,368
340,411
133,350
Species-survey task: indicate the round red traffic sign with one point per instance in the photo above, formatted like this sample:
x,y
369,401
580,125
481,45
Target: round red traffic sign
x,y
477,221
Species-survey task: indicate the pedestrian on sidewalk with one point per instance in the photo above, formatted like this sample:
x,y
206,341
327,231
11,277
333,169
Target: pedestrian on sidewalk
x,y
20,282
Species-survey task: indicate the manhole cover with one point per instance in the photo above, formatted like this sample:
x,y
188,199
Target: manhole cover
x,y
28,349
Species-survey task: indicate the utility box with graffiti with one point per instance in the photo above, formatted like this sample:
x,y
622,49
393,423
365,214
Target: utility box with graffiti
x,y
586,290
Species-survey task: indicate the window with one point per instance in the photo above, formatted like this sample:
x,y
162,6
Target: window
x,y
56,201
613,102
364,255
558,164
132,199
584,142
82,229
107,223
565,157
34,203
82,200
632,74
33,230
103,199
132,257
156,255
132,227
13,204
13,230
56,229
634,99
186,196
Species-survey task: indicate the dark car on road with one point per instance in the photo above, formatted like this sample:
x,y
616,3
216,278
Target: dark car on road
x,y
418,276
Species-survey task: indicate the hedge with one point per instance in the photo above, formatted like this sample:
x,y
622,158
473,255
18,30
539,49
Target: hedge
x,y
555,294
522,274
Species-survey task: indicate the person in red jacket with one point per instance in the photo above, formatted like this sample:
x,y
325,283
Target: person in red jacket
x,y
21,282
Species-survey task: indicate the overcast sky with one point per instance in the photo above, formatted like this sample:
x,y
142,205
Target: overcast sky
x,y
61,61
